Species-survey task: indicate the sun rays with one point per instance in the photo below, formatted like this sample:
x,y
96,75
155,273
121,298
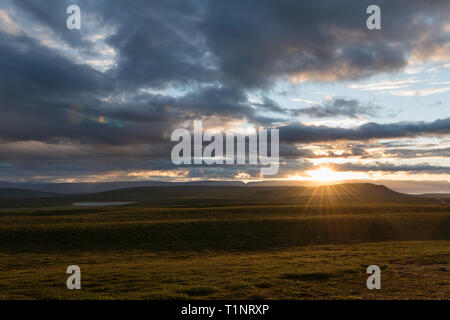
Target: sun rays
x,y
325,175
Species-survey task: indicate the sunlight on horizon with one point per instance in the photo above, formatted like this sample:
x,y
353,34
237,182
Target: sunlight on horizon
x,y
325,174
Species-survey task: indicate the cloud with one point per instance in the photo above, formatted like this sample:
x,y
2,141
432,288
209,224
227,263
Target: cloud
x,y
299,133
339,107
385,85
319,41
270,105
107,98
160,43
391,168
419,92
417,153
7,25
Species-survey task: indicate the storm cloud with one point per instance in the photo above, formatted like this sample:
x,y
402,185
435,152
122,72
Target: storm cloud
x,y
300,133
389,167
107,97
351,108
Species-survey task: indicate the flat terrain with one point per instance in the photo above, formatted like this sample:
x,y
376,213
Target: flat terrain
x,y
292,251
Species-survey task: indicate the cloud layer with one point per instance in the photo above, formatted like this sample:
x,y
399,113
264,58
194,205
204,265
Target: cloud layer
x,y
109,96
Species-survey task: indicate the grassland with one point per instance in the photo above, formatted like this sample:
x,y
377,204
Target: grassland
x,y
290,251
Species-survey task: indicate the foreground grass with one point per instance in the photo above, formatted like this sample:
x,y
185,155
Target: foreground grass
x,y
410,270
241,252
226,228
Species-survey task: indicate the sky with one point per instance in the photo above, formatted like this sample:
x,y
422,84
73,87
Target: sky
x,y
100,103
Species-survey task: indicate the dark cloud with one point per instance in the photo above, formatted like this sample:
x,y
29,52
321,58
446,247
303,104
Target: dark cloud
x,y
270,105
176,60
29,70
229,103
84,169
215,100
300,133
417,153
389,167
336,107
257,41
158,43
52,14
251,42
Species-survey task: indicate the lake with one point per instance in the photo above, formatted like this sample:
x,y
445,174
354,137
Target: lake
x,y
100,204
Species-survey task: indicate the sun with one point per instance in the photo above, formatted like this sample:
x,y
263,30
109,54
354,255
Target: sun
x,y
325,174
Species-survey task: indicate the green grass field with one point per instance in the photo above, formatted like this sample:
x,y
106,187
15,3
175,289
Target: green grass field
x,y
294,251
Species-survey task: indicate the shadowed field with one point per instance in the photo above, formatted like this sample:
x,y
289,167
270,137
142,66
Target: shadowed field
x,y
294,251
410,270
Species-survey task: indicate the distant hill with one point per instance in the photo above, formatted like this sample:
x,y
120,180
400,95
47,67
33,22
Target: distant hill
x,y
224,195
195,195
94,187
443,197
359,189
405,186
21,193
409,187
436,195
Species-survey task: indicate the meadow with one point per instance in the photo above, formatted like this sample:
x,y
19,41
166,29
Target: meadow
x,y
197,250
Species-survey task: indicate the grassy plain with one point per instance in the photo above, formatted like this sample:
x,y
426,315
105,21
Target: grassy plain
x,y
291,251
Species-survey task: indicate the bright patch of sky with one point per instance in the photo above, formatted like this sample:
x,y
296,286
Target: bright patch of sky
x,y
99,56
418,93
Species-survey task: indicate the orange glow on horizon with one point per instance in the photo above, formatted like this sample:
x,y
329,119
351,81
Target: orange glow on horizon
x,y
325,174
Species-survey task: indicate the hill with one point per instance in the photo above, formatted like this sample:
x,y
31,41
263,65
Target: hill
x,y
23,193
356,191
408,187
216,195
436,195
317,247
403,186
95,187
